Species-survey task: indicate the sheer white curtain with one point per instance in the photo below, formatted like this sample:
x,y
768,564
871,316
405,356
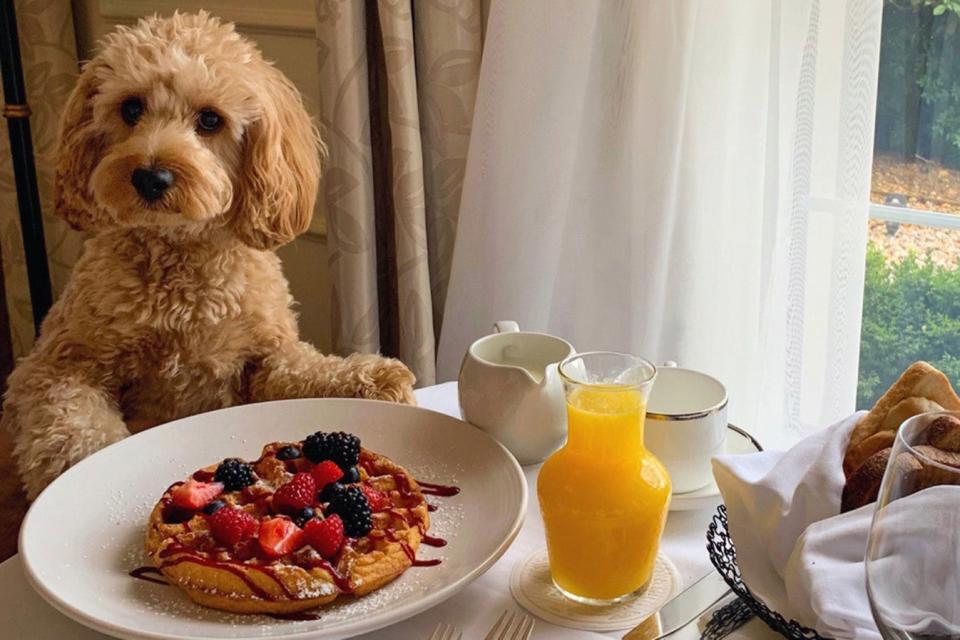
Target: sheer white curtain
x,y
685,180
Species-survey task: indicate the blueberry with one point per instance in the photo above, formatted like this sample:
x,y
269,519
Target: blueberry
x,y
288,452
303,516
350,476
330,490
213,506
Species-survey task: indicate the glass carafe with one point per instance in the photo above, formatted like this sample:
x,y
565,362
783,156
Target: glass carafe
x,y
604,497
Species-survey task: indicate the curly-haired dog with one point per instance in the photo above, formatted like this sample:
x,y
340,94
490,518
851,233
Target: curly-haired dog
x,y
188,158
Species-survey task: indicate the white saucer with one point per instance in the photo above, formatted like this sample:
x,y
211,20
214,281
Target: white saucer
x,y
738,441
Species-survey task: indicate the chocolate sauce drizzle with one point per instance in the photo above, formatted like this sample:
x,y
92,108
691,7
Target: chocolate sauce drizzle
x,y
146,573
441,490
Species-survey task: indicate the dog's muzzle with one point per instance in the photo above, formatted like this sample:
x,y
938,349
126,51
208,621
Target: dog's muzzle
x,y
152,183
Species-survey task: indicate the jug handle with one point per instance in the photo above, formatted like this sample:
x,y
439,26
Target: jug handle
x,y
505,326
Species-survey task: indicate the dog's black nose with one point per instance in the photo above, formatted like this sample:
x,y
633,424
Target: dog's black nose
x,y
151,184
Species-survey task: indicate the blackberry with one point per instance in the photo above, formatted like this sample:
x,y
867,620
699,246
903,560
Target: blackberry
x,y
288,453
235,474
213,506
332,489
316,446
352,507
350,476
342,448
304,516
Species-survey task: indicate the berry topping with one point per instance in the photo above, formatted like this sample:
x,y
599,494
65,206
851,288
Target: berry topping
x,y
326,536
213,506
352,507
316,446
342,448
332,489
280,536
351,476
235,474
325,473
288,452
193,494
296,494
231,526
376,499
303,516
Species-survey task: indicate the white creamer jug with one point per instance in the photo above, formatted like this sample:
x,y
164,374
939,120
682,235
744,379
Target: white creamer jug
x,y
509,387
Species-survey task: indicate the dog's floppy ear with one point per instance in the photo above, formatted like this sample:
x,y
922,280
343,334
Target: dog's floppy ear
x,y
78,152
278,182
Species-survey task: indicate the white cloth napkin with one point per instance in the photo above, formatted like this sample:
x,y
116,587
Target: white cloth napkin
x,y
795,551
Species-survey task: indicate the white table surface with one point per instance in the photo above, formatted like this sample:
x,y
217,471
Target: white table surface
x,y
24,615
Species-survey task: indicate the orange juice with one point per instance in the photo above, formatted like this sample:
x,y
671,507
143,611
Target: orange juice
x,y
603,497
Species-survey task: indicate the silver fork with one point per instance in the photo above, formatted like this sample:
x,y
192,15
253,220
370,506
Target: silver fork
x,y
512,627
445,631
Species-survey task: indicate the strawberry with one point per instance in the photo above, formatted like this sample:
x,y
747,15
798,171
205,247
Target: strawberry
x,y
231,526
326,536
300,492
325,473
194,494
376,499
280,536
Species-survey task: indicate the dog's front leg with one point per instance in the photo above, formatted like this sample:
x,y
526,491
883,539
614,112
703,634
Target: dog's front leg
x,y
57,418
299,371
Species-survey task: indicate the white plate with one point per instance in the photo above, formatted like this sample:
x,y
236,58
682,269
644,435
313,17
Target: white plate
x,y
85,531
738,441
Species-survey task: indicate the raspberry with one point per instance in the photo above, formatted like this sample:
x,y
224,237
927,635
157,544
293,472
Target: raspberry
x,y
325,473
231,526
280,536
296,494
376,499
194,494
326,536
342,448
352,507
235,474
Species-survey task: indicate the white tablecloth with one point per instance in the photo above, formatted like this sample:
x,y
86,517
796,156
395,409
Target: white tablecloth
x,y
24,615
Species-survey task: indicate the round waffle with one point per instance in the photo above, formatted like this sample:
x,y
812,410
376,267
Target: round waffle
x,y
241,578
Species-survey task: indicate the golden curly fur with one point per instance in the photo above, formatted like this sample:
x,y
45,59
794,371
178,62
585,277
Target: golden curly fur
x,y
178,305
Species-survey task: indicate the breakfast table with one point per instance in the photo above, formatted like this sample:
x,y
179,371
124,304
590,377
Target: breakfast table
x,y
474,610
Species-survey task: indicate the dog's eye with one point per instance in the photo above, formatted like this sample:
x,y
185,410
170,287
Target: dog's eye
x,y
131,110
209,121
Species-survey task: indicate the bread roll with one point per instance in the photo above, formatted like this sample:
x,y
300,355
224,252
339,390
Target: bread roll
x,y
858,454
916,473
944,434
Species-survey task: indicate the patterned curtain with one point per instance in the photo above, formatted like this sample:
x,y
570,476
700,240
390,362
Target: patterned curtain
x,y
398,80
49,54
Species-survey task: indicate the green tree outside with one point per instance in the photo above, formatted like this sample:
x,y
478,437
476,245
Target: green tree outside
x,y
911,311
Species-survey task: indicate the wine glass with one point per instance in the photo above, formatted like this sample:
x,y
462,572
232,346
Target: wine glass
x,y
913,551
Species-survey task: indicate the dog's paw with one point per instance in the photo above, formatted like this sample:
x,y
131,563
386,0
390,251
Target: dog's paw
x,y
386,379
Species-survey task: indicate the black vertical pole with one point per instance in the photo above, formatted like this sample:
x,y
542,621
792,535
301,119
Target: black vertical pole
x,y
17,114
